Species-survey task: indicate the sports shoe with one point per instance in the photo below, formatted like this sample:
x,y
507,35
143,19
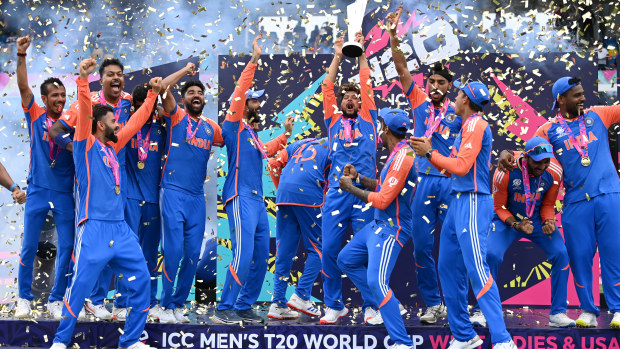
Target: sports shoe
x,y
55,309
586,319
470,344
154,313
400,346
166,316
376,320
305,306
281,313
58,346
433,314
371,313
403,311
478,319
505,345
560,320
615,322
139,345
332,315
179,314
250,316
22,308
119,314
99,311
226,317
82,316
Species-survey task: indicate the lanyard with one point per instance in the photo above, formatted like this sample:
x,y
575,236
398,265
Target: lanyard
x,y
257,143
580,144
114,164
433,121
117,107
142,144
530,198
190,133
348,129
398,147
54,149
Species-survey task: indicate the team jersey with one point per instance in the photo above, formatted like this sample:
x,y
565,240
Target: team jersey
x,y
143,184
300,171
42,152
444,135
362,151
509,192
245,160
395,188
94,161
187,155
470,160
585,182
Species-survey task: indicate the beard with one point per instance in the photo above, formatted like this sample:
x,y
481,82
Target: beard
x,y
194,110
252,117
109,134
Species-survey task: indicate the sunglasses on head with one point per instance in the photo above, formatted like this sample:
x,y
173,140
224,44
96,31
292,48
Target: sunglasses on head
x,y
540,149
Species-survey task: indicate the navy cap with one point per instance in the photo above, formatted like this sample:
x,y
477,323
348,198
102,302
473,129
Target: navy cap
x,y
476,91
396,119
561,86
538,149
251,94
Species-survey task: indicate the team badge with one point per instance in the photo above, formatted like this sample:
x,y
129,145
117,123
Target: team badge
x,y
516,184
560,132
207,130
589,122
450,118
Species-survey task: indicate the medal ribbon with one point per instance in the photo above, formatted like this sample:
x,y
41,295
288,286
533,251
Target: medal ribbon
x,y
190,134
530,198
117,107
348,130
114,164
54,149
257,143
142,153
580,144
433,122
398,147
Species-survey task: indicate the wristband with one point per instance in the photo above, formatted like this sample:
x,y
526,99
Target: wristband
x,y
513,225
21,54
13,186
62,139
358,180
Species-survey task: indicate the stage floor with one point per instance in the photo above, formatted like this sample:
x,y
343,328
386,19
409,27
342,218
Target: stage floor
x,y
529,328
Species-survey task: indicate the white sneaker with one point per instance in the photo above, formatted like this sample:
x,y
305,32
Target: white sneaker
x,y
478,319
154,313
58,346
307,307
560,320
400,346
403,311
376,320
140,345
179,314
470,344
506,345
98,311
281,313
615,322
433,314
166,316
586,319
55,309
22,308
370,314
82,316
119,314
332,315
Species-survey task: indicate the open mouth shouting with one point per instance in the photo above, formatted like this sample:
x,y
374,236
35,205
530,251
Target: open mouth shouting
x,y
115,85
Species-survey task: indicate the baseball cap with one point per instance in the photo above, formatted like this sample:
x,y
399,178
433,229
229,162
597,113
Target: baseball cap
x,y
251,94
396,119
538,149
475,90
562,85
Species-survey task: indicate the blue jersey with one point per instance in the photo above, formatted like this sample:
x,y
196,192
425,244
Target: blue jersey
x,y
394,194
443,137
185,166
362,151
585,182
94,161
304,168
245,160
40,171
143,184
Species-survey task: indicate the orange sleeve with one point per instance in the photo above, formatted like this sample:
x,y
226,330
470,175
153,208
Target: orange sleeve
x,y
237,105
394,182
34,109
416,96
500,194
275,145
218,140
543,131
83,111
610,114
547,208
137,120
69,118
330,104
471,143
367,95
176,116
276,164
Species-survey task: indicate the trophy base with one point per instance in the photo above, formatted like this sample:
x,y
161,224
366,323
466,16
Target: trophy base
x,y
352,49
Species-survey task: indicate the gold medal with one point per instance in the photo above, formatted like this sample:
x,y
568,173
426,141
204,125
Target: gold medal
x,y
585,161
117,189
140,165
53,164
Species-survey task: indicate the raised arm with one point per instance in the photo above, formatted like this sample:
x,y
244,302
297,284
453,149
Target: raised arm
x,y
22,72
84,126
275,145
276,164
140,117
400,62
330,104
332,71
168,101
237,105
171,80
